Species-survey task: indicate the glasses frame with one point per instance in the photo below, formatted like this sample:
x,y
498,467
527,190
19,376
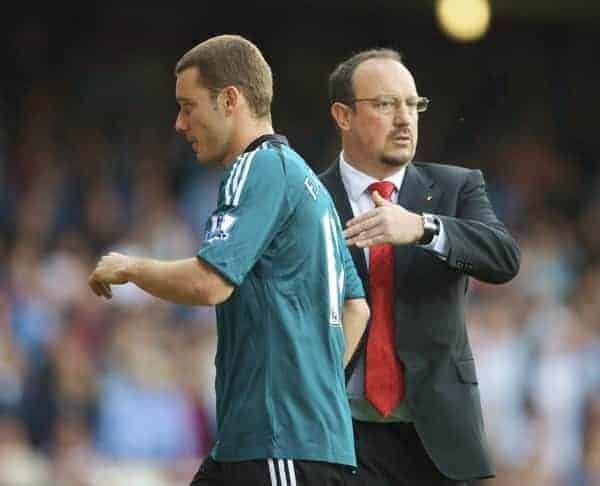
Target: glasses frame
x,y
424,101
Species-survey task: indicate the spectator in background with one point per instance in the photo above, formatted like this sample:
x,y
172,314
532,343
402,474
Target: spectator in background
x,y
274,262
418,231
20,463
141,376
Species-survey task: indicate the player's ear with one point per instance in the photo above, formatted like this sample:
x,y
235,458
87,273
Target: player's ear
x,y
341,114
230,99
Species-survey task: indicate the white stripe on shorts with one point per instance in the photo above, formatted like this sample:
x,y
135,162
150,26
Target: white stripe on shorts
x,y
272,472
282,472
290,464
278,474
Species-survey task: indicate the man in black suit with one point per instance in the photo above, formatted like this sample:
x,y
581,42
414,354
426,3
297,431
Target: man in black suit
x,y
417,232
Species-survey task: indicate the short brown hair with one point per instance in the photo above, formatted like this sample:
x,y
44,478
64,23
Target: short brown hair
x,y
231,60
341,87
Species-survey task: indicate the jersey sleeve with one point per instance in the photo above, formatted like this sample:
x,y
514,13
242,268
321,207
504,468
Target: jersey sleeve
x,y
251,208
353,287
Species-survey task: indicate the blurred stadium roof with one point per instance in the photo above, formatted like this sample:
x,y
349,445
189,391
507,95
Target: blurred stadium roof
x,y
584,13
557,10
550,10
553,10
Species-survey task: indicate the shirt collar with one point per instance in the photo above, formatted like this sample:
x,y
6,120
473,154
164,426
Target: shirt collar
x,y
271,137
357,182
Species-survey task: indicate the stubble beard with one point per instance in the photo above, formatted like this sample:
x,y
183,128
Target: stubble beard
x,y
399,160
395,161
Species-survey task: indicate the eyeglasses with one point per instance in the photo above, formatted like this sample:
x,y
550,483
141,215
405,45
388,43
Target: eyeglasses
x,y
389,105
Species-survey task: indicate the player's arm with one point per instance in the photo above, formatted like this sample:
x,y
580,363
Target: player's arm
x,y
190,281
356,310
355,317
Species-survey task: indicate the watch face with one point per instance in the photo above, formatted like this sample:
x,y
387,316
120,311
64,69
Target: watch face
x,y
430,224
430,229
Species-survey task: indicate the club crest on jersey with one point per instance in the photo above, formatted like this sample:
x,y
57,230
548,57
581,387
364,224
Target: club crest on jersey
x,y
220,226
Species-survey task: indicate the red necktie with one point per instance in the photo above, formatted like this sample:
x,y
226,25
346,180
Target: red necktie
x,y
384,381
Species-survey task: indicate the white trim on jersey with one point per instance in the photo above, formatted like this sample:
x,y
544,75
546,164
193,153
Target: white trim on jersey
x,y
281,479
233,178
239,174
329,231
240,186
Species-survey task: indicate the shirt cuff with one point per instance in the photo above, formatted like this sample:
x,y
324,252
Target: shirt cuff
x,y
439,243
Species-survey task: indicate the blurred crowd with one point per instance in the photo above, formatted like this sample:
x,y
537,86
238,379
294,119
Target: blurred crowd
x,y
121,392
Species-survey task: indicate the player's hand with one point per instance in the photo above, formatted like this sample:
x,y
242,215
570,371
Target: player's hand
x,y
110,270
387,223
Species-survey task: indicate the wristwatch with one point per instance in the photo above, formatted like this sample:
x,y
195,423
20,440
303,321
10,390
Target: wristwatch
x,y
431,228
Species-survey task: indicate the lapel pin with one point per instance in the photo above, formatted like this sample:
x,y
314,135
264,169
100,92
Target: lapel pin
x,y
429,198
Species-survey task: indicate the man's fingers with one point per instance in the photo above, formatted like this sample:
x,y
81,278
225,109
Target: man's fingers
x,y
363,217
101,289
98,289
378,200
369,234
95,288
360,226
107,290
369,238
373,241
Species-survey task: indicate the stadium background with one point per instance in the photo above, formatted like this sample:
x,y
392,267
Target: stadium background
x,y
120,393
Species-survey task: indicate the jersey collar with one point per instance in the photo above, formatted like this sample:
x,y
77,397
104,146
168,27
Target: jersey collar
x,y
271,137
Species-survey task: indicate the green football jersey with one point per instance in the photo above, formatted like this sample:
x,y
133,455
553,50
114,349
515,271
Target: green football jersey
x,y
279,366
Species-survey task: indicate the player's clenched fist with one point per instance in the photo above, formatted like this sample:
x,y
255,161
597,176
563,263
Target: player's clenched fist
x,y
111,269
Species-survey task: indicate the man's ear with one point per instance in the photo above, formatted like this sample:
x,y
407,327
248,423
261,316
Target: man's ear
x,y
341,114
230,99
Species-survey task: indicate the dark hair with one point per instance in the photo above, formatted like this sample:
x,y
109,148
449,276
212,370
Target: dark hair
x,y
231,60
341,87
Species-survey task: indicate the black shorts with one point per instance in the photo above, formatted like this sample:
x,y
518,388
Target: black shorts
x,y
271,472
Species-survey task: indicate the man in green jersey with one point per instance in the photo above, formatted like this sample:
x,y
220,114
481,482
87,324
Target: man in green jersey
x,y
290,307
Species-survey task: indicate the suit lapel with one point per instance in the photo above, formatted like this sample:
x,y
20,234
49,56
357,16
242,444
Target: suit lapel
x,y
419,195
333,182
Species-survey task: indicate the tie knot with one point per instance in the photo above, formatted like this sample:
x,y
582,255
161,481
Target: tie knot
x,y
384,188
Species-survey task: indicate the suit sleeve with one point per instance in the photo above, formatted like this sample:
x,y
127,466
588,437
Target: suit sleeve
x,y
479,244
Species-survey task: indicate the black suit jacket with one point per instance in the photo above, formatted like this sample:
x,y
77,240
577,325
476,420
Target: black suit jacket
x,y
442,393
